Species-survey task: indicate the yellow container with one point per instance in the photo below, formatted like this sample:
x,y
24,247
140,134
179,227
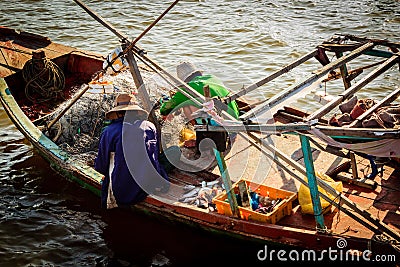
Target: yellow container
x,y
282,209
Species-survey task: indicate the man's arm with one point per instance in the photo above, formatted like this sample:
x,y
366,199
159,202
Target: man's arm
x,y
176,100
102,160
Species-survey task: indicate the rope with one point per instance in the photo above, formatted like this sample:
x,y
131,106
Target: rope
x,y
43,78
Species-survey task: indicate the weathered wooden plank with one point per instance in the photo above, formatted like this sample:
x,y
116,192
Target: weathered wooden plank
x,y
273,101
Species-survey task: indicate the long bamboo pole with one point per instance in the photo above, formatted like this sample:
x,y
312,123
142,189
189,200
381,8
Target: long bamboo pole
x,y
274,75
273,101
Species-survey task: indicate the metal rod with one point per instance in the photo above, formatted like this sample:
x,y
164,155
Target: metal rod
x,y
100,19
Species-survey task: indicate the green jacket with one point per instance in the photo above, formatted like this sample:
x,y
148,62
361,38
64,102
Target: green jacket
x,y
216,89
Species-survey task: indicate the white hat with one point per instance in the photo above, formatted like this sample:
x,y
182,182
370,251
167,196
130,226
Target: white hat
x,y
124,102
186,71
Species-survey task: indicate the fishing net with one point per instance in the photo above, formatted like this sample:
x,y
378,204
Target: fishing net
x,y
78,130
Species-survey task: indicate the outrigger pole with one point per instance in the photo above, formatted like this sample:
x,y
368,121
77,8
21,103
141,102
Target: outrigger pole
x,y
139,53
276,99
362,216
127,50
133,66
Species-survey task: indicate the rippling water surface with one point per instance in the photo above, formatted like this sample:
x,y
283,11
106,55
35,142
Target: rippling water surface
x,y
46,220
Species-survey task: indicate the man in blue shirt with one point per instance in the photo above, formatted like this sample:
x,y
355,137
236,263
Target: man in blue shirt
x,y
128,156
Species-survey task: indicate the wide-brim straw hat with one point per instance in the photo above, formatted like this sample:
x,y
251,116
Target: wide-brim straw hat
x,y
125,102
186,71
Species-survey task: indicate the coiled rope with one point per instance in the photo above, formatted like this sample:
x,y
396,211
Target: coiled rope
x,y
44,78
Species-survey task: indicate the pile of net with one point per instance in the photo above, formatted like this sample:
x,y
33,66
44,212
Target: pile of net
x,y
79,129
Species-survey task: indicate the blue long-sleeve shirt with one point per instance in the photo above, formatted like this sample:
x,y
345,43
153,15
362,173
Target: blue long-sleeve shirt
x,y
128,157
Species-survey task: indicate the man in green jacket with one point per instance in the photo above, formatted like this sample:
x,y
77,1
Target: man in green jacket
x,y
194,77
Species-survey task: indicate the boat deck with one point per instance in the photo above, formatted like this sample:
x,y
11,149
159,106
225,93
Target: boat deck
x,y
381,202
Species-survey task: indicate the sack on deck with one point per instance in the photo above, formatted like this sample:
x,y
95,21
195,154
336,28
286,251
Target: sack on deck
x,y
305,197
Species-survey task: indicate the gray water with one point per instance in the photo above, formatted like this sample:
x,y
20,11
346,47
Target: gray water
x,y
45,220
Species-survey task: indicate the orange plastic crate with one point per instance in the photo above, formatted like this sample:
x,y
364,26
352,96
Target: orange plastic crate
x,y
282,209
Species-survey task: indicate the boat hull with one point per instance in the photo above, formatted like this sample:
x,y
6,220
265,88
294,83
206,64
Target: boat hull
x,y
212,222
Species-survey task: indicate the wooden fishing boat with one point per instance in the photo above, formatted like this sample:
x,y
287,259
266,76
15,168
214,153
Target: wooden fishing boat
x,y
293,230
